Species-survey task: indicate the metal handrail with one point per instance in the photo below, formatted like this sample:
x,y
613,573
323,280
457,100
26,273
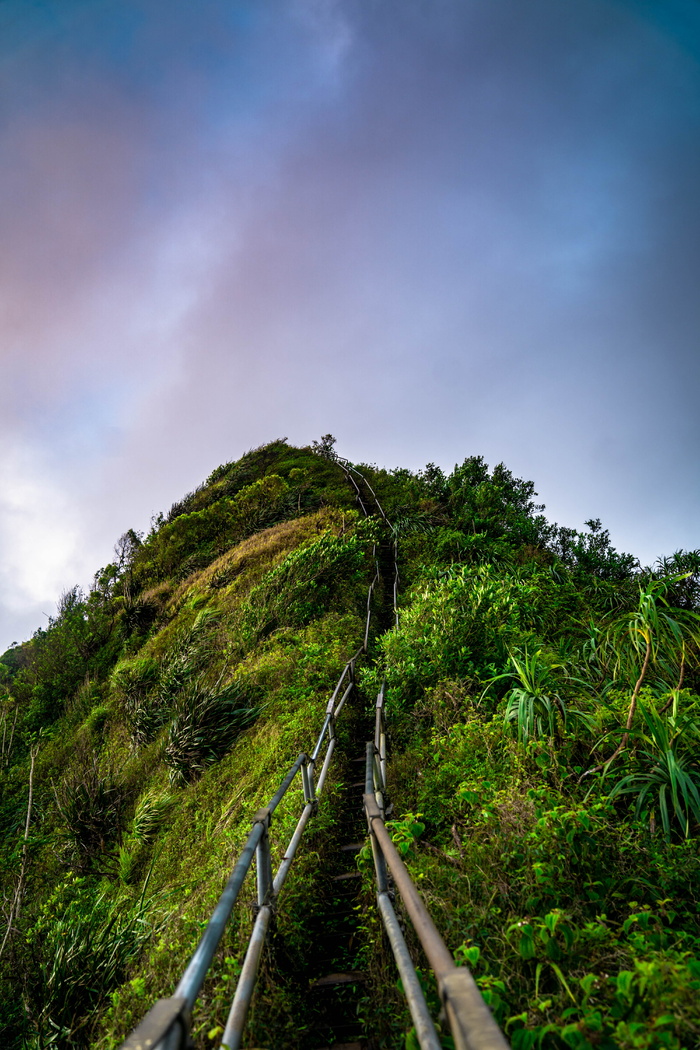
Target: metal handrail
x,y
469,1017
267,894
471,1022
167,1025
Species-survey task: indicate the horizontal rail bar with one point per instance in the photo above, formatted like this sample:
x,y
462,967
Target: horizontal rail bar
x,y
369,769
321,736
425,1029
193,977
472,1023
346,670
343,698
246,981
235,1024
374,494
288,857
433,944
324,768
284,786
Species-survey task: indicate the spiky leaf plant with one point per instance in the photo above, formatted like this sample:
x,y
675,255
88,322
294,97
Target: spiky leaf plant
x,y
91,803
209,718
533,702
150,815
667,784
84,949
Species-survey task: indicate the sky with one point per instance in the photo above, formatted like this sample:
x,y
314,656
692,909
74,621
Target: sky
x,y
434,229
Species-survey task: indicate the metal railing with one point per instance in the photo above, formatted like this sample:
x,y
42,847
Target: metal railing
x,y
167,1025
348,469
470,1020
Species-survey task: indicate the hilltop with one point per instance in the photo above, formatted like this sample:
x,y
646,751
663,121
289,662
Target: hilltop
x,y
543,703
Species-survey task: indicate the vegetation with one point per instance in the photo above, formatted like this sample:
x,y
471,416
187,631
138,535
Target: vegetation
x,y
544,712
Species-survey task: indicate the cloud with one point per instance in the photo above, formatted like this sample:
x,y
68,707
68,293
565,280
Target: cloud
x,y
432,229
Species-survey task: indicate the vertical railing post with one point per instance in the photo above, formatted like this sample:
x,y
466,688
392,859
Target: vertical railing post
x,y
307,779
263,859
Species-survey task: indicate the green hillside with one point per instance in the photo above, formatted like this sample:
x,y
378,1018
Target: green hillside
x,y
543,704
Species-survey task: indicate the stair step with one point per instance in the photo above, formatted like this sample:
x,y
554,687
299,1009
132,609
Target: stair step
x,y
348,875
353,847
349,977
344,1046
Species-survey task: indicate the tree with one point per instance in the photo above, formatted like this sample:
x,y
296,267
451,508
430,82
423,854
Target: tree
x,y
324,447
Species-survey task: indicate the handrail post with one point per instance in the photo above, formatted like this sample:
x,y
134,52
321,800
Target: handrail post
x,y
263,858
307,779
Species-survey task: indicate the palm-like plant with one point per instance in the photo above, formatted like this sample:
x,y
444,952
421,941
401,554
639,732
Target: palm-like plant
x,y
209,717
650,635
668,781
535,705
532,703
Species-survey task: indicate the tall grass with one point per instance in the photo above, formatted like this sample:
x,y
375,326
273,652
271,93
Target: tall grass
x,y
209,718
667,782
81,954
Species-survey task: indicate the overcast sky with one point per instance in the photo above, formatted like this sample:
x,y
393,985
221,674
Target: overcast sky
x,y
434,229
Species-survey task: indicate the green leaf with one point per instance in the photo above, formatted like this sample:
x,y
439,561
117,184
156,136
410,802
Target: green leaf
x,y
624,982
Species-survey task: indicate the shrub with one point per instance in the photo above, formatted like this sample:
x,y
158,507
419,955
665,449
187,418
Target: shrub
x,y
91,803
83,947
208,720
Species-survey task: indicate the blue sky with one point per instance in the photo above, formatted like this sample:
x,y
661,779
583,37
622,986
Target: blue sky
x,y
468,226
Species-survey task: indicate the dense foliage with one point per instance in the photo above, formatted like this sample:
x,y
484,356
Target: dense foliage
x,y
544,707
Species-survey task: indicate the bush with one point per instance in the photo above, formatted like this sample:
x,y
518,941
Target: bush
x,y
208,720
91,803
83,947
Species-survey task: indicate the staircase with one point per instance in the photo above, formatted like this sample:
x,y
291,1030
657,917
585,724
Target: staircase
x,y
336,988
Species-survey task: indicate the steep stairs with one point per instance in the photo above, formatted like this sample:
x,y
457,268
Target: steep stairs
x,y
336,988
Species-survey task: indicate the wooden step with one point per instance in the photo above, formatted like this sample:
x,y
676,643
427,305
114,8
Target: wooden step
x,y
332,979
344,1046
